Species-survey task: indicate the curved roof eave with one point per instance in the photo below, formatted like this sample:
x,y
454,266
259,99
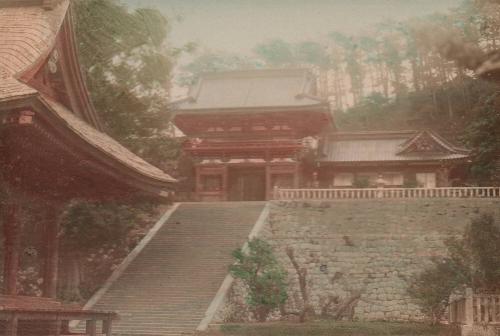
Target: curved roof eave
x,y
105,145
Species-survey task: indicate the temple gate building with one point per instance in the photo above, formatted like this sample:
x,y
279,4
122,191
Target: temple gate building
x,y
247,129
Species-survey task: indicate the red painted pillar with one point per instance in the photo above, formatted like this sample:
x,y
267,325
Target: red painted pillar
x,y
12,242
296,181
51,244
225,188
269,187
198,186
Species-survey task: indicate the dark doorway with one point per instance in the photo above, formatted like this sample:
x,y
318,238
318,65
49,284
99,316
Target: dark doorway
x,y
247,184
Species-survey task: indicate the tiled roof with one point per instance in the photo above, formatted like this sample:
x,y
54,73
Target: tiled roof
x,y
105,143
252,89
380,147
27,34
12,88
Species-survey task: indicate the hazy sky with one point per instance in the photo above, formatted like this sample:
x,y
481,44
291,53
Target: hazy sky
x,y
238,25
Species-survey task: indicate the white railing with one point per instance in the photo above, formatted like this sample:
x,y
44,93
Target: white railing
x,y
369,193
475,309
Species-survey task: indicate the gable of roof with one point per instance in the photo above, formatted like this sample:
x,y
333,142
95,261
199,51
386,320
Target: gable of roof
x,y
252,89
386,147
428,142
27,35
29,32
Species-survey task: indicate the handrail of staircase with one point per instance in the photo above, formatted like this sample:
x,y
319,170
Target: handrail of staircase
x,y
385,193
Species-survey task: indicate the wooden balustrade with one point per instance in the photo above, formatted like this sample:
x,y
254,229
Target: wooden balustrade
x,y
486,308
25,315
370,193
456,311
475,309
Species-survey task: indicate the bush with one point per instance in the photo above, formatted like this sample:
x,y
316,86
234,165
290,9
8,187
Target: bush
x,y
361,182
472,261
433,287
263,277
410,182
95,237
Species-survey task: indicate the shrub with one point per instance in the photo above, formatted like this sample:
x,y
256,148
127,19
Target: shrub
x,y
472,261
262,275
433,287
361,182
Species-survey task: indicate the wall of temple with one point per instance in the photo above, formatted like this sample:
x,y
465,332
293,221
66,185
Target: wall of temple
x,y
370,248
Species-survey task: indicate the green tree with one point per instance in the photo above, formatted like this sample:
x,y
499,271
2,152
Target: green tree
x,y
262,275
353,59
483,136
473,261
128,67
313,53
95,236
210,61
276,53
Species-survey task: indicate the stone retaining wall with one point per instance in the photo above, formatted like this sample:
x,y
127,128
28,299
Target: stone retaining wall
x,y
366,247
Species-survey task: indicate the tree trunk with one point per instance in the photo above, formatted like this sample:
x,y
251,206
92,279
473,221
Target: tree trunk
x,y
71,277
51,253
307,310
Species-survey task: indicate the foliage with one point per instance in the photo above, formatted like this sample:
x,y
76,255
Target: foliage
x,y
275,53
480,248
91,225
264,278
433,287
410,182
361,182
472,261
95,237
128,73
129,66
209,61
483,135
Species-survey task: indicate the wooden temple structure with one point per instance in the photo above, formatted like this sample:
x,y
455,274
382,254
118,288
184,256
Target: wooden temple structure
x,y
247,129
395,159
52,150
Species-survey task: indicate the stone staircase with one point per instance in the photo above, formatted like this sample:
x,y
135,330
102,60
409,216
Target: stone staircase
x,y
168,287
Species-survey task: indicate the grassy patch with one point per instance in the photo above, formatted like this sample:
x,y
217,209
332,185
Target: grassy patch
x,y
324,328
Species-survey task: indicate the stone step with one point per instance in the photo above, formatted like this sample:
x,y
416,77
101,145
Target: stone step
x,y
170,284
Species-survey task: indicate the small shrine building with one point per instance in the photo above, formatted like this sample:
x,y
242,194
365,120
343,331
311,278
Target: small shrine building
x,y
397,159
247,131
